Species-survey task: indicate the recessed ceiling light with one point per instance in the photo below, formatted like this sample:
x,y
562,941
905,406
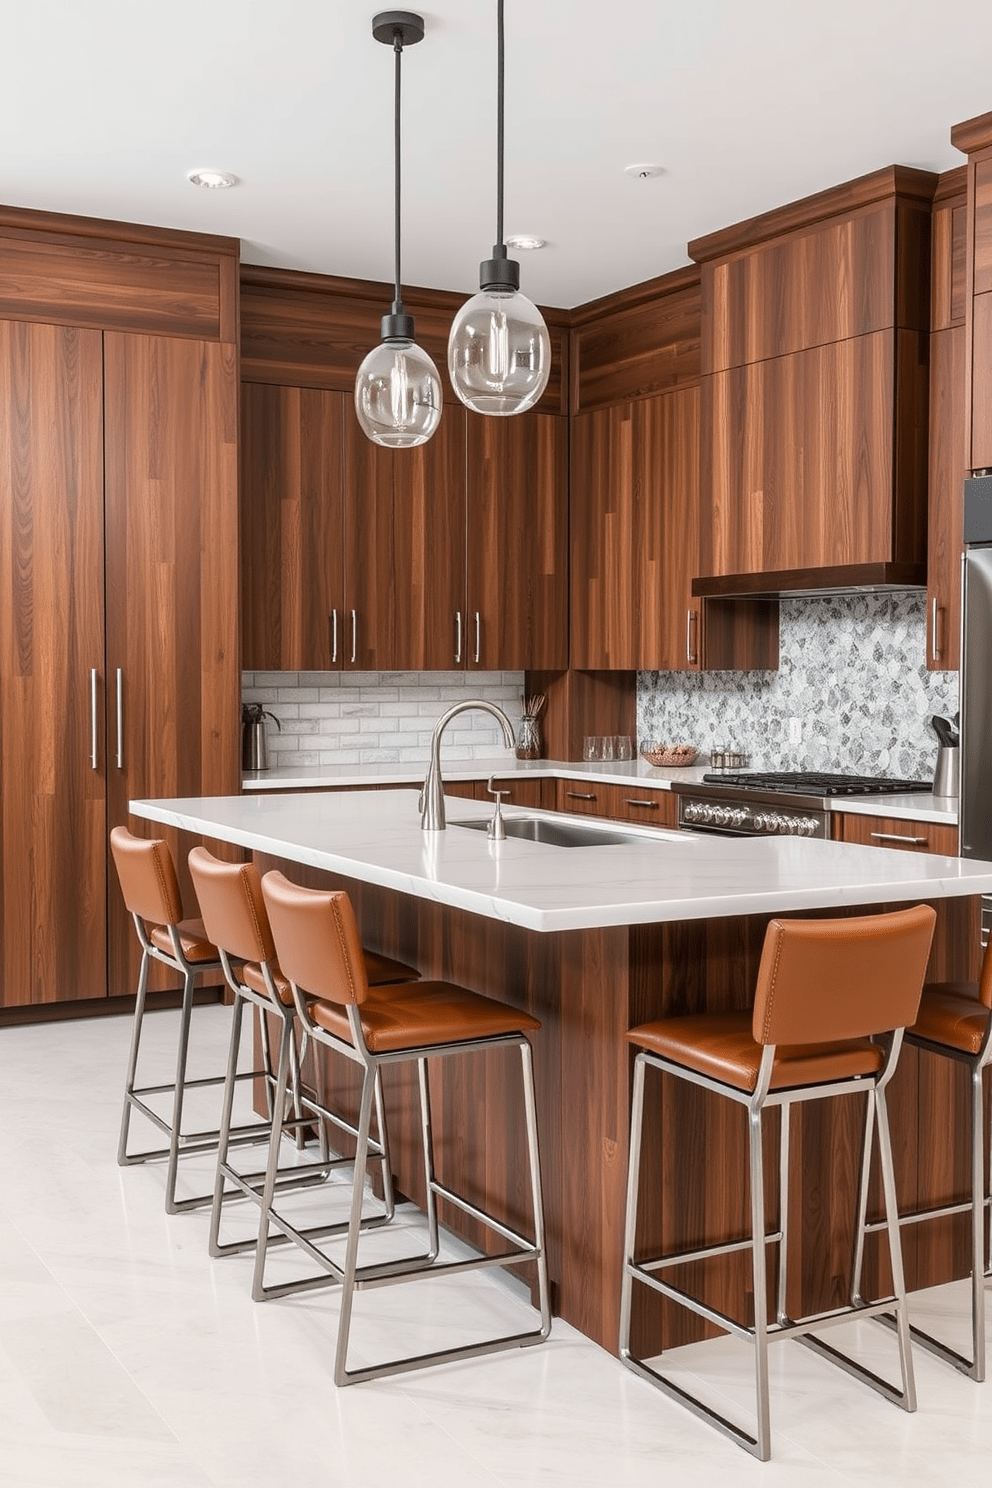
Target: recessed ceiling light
x,y
212,180
525,243
643,172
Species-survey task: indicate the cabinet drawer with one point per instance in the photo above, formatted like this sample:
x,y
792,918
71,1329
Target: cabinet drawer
x,y
586,797
627,803
651,808
885,831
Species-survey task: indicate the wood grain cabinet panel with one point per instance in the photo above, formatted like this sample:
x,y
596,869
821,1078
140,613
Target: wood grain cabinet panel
x,y
800,468
53,885
292,528
945,498
634,534
172,574
517,542
893,832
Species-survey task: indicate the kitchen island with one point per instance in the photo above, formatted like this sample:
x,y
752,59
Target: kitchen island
x,y
594,940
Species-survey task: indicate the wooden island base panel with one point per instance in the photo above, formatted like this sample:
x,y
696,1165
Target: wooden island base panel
x,y
594,941
588,987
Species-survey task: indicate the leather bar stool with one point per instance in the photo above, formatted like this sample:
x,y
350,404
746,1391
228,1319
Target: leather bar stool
x,y
230,898
831,1002
151,893
955,1022
319,951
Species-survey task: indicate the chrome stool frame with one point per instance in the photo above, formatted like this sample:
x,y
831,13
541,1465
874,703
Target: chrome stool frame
x,y
230,897
166,916
348,1272
977,1206
647,1270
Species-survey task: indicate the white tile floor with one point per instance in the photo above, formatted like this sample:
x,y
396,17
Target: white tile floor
x,y
127,1357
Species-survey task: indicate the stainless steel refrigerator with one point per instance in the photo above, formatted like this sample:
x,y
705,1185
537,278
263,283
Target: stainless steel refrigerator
x,y
975,800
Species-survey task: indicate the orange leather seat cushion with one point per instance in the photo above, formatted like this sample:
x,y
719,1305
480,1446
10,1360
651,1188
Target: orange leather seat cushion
x,y
950,1013
192,938
379,971
424,1013
722,1046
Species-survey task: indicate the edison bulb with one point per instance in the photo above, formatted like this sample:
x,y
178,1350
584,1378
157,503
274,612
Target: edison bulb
x,y
398,395
499,353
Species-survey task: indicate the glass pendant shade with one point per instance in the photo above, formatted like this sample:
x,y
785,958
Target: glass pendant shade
x,y
398,395
499,352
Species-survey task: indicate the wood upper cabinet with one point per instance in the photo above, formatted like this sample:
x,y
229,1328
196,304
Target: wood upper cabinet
x,y
634,525
815,389
974,138
292,528
448,555
947,423
53,819
517,542
404,549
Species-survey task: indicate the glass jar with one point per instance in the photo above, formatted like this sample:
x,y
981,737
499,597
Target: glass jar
x,y
528,739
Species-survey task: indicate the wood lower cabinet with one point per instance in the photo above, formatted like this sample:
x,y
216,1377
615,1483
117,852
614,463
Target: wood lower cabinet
x,y
53,816
627,803
884,831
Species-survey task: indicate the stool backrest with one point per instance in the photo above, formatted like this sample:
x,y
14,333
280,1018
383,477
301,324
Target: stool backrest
x,y
316,939
823,980
232,907
985,979
148,877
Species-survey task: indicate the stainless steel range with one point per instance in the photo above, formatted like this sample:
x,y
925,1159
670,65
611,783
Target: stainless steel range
x,y
755,803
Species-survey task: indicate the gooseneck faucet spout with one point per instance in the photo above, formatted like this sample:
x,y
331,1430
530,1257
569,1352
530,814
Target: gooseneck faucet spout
x,y
432,795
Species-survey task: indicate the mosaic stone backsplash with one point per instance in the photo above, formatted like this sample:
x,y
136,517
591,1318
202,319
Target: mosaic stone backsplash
x,y
852,670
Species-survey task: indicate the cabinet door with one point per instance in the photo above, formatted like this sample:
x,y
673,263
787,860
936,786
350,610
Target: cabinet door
x,y
517,525
634,534
171,411
798,460
405,550
53,833
945,498
292,528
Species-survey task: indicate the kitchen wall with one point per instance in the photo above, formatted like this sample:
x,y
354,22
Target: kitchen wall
x,y
852,671
358,718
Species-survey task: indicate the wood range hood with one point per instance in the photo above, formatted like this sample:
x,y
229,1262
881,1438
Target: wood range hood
x,y
815,394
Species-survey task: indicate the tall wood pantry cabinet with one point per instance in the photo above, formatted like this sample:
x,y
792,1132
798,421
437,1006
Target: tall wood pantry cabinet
x,y
119,667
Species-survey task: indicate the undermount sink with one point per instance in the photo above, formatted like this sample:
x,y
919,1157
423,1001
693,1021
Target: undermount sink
x,y
554,833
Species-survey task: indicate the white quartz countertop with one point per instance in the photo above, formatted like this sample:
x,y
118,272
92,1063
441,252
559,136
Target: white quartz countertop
x,y
655,876
911,807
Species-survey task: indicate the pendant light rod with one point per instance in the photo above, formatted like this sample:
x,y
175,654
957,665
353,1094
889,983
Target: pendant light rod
x,y
499,122
398,54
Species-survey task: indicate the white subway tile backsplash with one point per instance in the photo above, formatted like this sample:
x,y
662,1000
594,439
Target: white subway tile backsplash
x,y
351,718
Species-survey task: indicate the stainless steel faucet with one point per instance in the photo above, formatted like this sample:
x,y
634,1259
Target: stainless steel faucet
x,y
432,795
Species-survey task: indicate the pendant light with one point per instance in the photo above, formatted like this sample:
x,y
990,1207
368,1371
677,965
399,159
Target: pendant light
x,y
499,350
398,390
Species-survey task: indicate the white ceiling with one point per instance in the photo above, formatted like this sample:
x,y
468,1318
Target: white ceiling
x,y
106,104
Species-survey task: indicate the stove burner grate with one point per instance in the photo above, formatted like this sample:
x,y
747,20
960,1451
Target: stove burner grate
x,y
812,783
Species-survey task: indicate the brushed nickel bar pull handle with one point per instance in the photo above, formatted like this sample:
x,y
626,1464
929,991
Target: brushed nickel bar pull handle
x,y
334,636
354,636
934,648
458,637
691,618
478,637
651,805
120,718
895,837
93,754
581,795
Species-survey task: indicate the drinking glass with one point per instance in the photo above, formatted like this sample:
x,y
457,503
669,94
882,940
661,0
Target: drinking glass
x,y
621,747
590,747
